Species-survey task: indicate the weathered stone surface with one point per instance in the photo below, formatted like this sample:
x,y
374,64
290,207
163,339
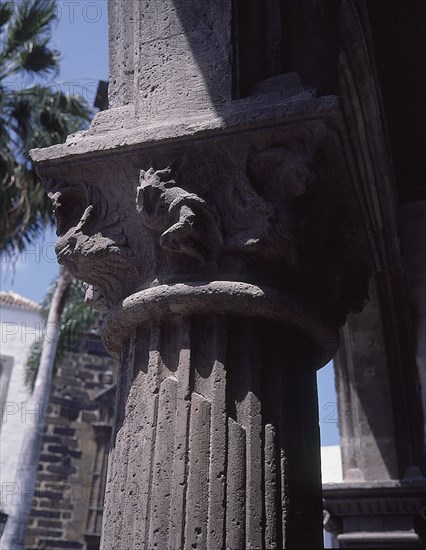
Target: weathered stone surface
x,y
216,463
376,514
379,398
243,228
170,58
216,216
260,223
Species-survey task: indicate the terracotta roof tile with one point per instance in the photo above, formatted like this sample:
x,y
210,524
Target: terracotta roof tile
x,y
16,300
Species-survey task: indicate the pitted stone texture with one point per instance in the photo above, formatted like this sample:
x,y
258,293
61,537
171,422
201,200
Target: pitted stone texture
x,y
261,209
170,57
208,450
120,127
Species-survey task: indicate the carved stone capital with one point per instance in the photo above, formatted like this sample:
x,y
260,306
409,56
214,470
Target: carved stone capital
x,y
92,241
182,222
275,208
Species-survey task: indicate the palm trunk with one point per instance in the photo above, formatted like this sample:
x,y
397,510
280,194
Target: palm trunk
x,y
26,475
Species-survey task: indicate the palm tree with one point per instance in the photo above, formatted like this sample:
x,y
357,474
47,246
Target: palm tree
x,y
26,472
34,116
30,116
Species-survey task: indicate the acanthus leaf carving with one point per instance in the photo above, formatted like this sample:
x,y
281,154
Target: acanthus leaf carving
x,y
185,222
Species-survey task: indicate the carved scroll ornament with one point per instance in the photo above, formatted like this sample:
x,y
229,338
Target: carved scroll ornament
x,y
275,223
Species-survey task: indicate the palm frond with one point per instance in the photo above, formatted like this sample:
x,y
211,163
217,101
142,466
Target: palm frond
x,y
34,117
38,58
6,11
24,206
51,115
33,19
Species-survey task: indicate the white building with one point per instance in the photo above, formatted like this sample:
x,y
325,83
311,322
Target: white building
x,y
20,325
331,474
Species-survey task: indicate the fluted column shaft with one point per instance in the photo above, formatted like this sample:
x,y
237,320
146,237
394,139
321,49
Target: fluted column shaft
x,y
216,441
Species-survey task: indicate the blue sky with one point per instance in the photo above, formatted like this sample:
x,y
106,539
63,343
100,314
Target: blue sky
x,y
81,35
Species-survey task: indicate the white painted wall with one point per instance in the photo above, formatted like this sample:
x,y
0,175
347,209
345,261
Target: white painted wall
x,y
331,464
18,330
331,472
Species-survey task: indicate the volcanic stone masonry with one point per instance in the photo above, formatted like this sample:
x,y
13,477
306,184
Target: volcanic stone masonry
x,y
216,215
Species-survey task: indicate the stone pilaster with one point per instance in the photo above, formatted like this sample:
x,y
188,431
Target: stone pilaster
x,y
381,500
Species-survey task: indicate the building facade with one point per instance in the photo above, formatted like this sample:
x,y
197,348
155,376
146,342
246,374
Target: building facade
x,y
68,502
21,325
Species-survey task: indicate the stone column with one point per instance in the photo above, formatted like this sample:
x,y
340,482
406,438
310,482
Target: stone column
x,y
381,501
224,238
212,447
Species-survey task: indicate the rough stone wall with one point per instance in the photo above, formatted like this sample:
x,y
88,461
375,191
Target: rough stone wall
x,y
64,490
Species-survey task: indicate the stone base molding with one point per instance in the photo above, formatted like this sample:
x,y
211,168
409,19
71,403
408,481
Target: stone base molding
x,y
386,514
